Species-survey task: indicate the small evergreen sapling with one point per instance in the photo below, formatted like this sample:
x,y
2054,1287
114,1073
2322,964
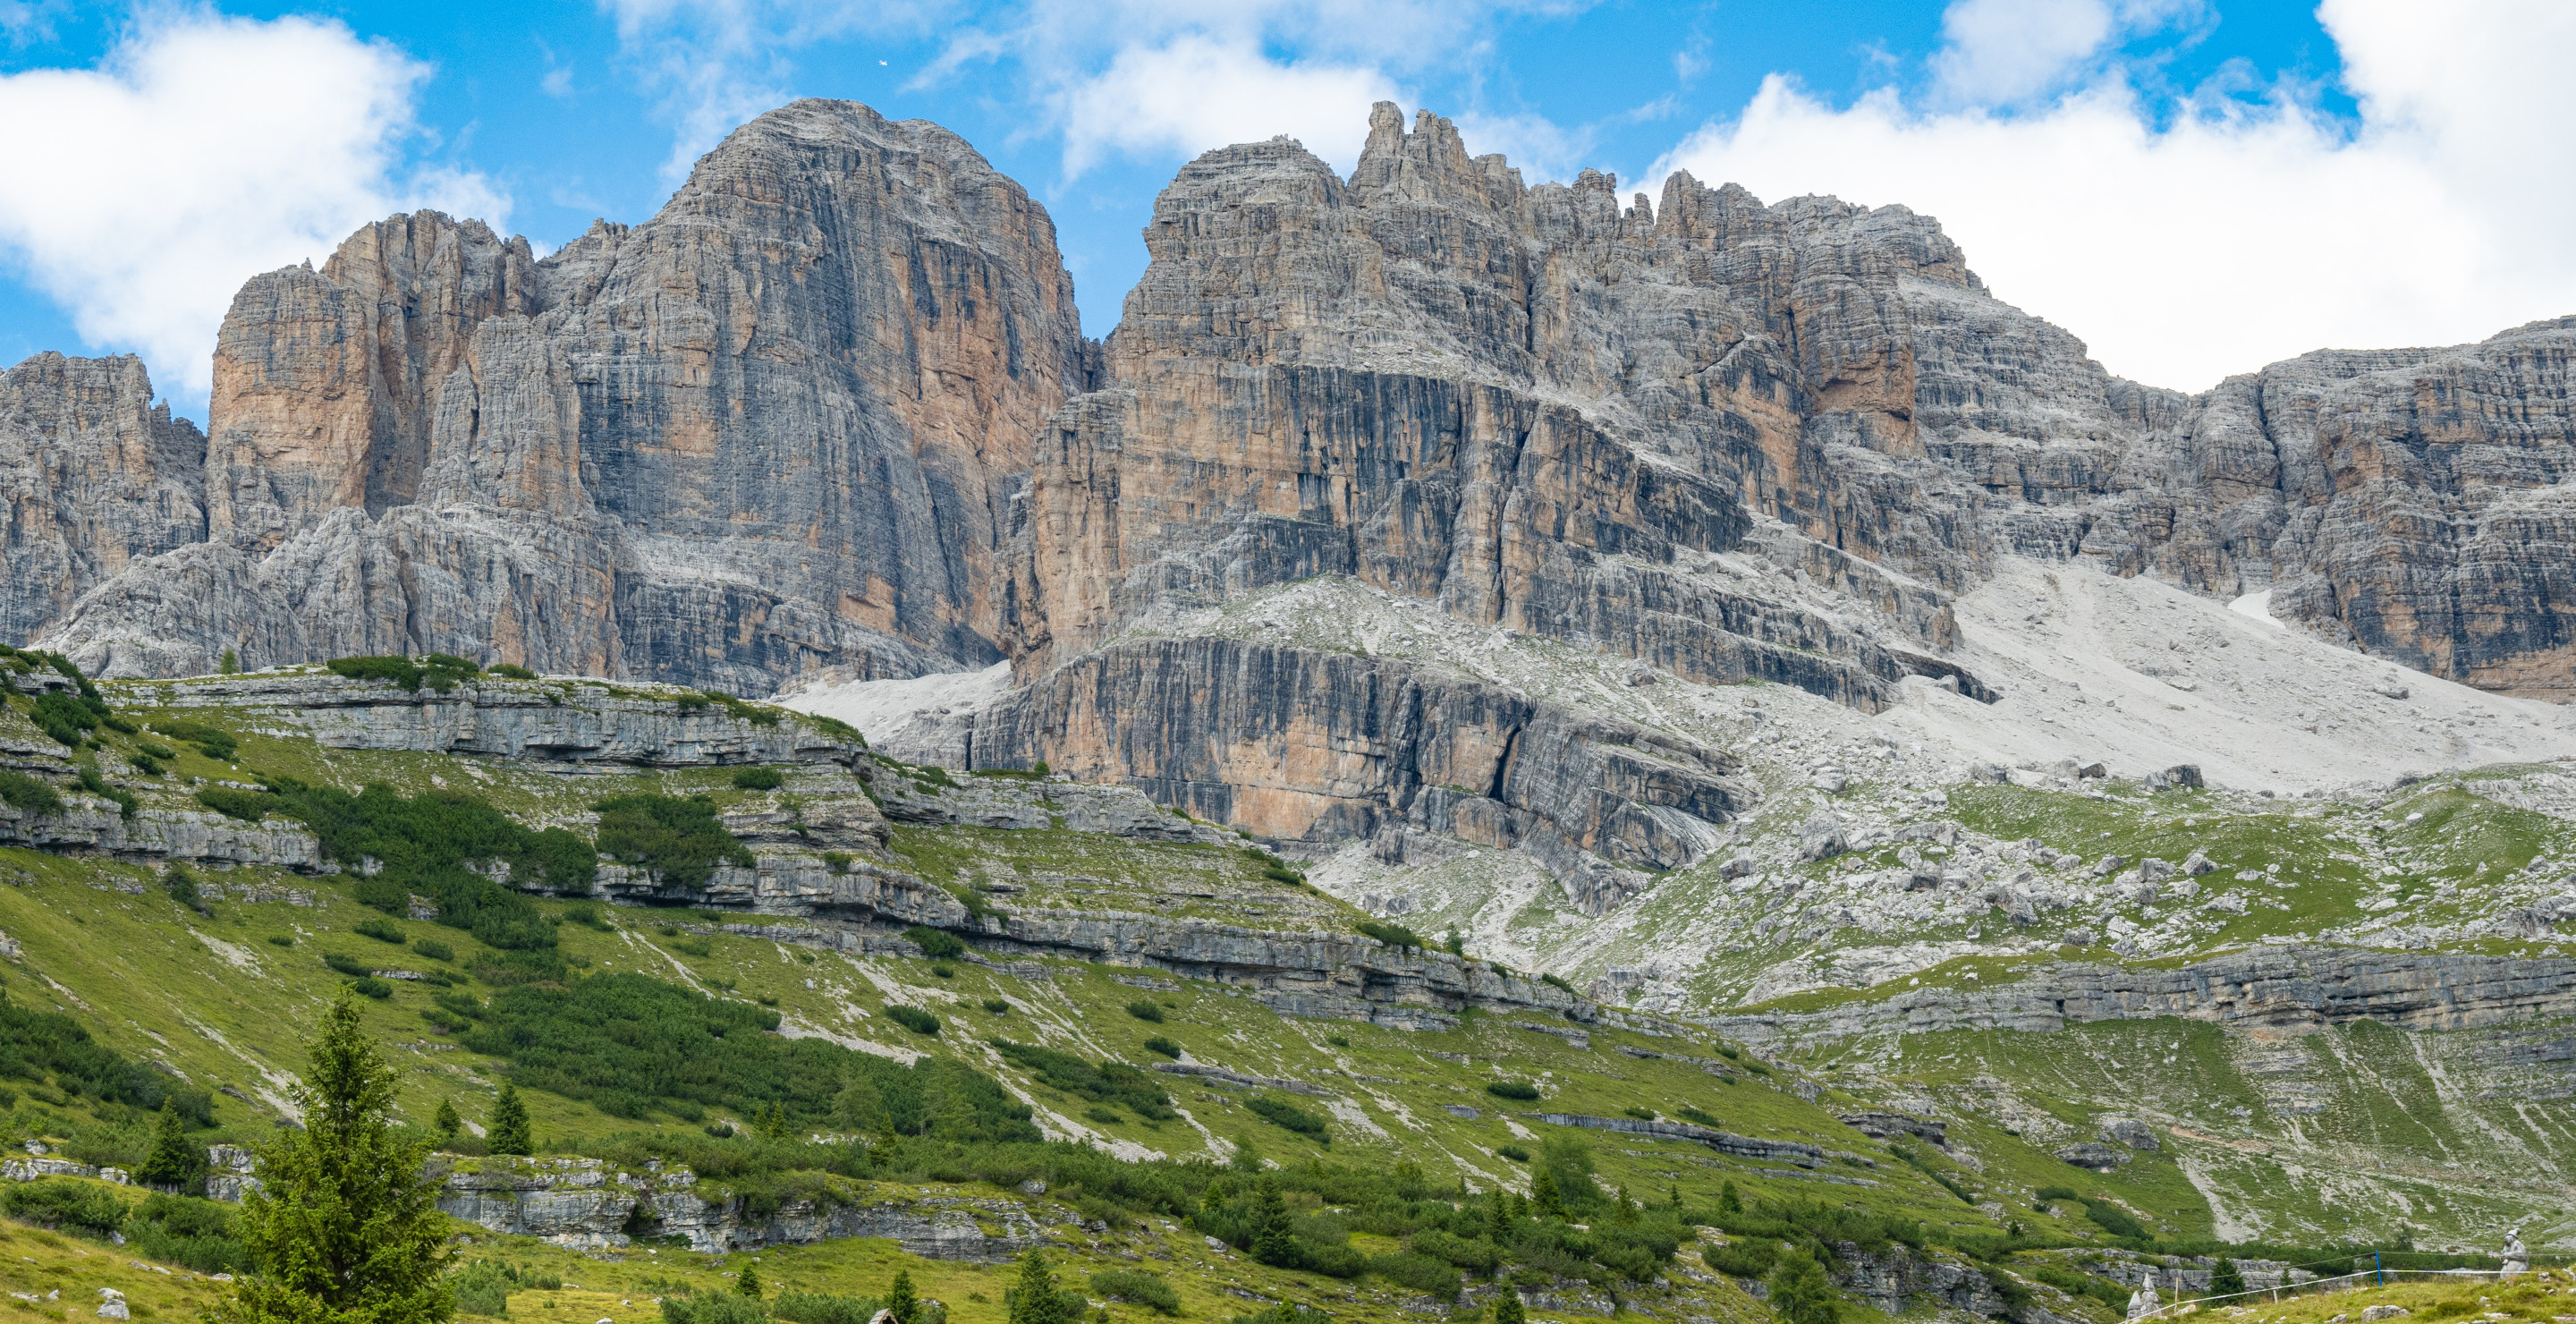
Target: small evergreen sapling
x,y
508,1131
177,1163
446,1123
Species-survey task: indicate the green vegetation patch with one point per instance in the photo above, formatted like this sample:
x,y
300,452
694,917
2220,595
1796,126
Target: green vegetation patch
x,y
677,837
1108,1082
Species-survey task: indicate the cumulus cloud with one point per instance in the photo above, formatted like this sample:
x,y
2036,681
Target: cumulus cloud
x,y
202,151
1156,78
2238,229
1195,92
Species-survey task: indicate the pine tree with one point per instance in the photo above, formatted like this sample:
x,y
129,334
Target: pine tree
x,y
446,1123
1035,1300
345,1224
1274,1238
747,1283
2225,1280
231,665
1543,1197
1800,1293
1729,1203
900,1299
1507,1306
773,1123
177,1163
508,1131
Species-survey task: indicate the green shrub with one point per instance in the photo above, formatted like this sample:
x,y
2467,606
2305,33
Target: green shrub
x,y
67,718
370,986
1513,1152
1422,1273
1146,1009
1159,1044
281,939
511,671
28,795
64,1202
1393,935
381,931
1136,1287
1108,1082
347,965
214,742
817,1308
943,970
1691,1114
693,946
913,1019
183,1230
998,1006
1641,1114
758,779
87,775
838,861
1281,1113
679,839
2113,1219
937,944
589,917
1512,1089
401,671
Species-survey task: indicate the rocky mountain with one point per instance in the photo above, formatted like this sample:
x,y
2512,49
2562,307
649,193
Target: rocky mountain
x,y
774,429
829,420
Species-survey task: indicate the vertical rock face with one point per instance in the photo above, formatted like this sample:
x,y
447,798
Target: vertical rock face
x,y
773,429
93,476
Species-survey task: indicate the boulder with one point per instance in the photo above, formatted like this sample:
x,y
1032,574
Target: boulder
x,y
2098,1157
2129,1131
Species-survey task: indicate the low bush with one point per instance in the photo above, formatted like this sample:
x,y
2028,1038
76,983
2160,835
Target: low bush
x,y
998,1006
1513,1152
681,839
213,742
937,944
433,949
511,671
28,795
758,779
1393,935
1107,1082
913,1019
1137,1287
67,1203
1159,1044
1281,1113
1512,1089
370,986
1146,1009
381,931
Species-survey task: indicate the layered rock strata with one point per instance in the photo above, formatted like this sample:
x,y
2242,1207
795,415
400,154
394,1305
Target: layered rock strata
x,y
93,477
2292,989
586,1205
773,429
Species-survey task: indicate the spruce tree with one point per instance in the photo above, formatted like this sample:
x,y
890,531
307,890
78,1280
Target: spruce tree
x,y
1729,1202
1507,1306
344,1226
447,1123
1034,1300
508,1131
1543,1197
1800,1293
1274,1238
2225,1280
177,1163
901,1301
747,1283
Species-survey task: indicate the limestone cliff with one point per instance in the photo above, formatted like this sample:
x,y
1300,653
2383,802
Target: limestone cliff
x,y
93,476
774,428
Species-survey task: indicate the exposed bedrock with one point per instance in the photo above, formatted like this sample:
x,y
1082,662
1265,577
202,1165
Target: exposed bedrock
x,y
1306,745
2283,988
772,429
93,477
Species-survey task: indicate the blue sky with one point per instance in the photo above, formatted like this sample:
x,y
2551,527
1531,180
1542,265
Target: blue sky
x,y
2195,186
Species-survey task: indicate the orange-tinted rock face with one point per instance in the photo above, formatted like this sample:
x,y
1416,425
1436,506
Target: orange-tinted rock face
x,y
773,429
93,476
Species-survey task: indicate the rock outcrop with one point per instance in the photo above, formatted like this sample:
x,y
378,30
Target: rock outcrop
x,y
584,1204
2291,989
93,477
773,429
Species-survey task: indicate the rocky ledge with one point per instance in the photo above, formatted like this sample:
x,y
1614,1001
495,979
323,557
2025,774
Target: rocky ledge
x,y
556,720
585,1204
2286,988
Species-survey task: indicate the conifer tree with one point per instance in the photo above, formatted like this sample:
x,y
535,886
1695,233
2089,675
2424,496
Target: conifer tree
x,y
747,1283
1507,1306
1034,1300
508,1131
2226,1280
1543,1197
344,1225
1800,1293
177,1163
446,1123
1728,1200
901,1301
1274,1238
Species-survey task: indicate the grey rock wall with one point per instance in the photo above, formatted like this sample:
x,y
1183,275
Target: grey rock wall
x,y
93,477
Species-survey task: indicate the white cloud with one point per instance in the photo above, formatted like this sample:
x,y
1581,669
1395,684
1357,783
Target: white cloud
x,y
202,151
1193,93
2236,234
715,63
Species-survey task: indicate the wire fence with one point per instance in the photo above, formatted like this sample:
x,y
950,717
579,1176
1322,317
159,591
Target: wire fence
x,y
2339,1282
